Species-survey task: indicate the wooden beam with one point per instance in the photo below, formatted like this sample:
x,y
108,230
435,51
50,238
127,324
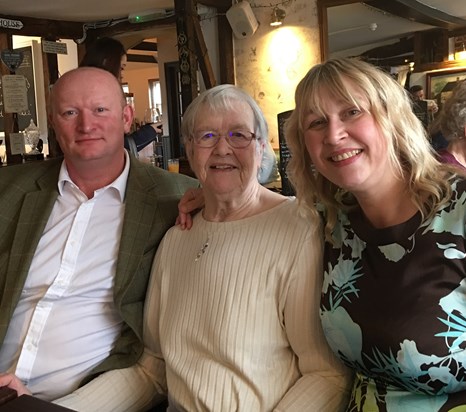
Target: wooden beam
x,y
51,74
221,5
141,58
322,19
418,12
202,54
44,28
127,27
225,51
145,46
402,47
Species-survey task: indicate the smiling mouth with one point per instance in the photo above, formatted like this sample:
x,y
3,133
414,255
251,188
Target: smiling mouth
x,y
222,167
346,155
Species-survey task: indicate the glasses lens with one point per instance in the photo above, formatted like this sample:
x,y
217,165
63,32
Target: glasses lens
x,y
206,139
240,138
236,138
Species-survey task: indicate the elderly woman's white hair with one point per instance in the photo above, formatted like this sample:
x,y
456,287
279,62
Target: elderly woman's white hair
x,y
452,118
220,99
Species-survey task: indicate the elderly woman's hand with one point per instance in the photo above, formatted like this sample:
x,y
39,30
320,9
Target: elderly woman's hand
x,y
12,382
192,201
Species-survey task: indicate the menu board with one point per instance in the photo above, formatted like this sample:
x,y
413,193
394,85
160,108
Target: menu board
x,y
285,155
25,69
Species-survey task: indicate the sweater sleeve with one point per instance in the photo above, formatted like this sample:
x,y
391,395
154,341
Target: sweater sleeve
x,y
325,381
132,389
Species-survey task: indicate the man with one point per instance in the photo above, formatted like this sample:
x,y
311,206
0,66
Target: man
x,y
77,240
424,109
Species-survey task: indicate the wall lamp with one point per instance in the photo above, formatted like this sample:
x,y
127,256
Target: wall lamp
x,y
278,15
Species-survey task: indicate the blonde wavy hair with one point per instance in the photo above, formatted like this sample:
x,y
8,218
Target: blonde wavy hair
x,y
409,150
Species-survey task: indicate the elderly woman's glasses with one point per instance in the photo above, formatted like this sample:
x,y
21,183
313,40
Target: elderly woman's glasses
x,y
238,139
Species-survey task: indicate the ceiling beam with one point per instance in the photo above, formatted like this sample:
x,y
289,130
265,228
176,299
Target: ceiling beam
x,y
126,27
402,47
416,11
44,28
145,46
221,5
140,58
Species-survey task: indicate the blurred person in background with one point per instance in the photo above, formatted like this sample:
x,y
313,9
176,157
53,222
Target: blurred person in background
x,y
452,124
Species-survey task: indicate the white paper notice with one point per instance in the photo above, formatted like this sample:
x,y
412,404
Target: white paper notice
x,y
15,98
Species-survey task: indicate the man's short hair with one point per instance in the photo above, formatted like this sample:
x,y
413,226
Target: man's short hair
x,y
416,88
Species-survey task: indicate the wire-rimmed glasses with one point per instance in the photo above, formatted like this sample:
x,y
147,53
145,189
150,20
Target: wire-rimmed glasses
x,y
238,139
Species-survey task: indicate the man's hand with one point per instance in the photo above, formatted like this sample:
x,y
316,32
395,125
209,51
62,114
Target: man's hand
x,y
192,200
11,381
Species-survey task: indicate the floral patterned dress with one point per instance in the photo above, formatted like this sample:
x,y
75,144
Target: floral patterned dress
x,y
394,309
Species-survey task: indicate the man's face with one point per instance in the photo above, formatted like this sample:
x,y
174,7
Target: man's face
x,y
419,95
89,115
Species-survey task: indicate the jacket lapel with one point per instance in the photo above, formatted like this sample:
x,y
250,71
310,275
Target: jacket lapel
x,y
140,204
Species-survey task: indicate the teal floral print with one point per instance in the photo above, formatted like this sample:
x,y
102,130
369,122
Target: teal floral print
x,y
393,309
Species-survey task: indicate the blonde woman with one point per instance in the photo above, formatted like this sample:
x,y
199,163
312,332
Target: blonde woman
x,y
392,304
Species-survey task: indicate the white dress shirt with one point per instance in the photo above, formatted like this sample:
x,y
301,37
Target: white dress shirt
x,y
66,322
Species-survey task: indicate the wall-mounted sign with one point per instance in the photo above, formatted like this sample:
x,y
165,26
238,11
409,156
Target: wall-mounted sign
x,y
11,24
15,98
26,69
54,47
12,58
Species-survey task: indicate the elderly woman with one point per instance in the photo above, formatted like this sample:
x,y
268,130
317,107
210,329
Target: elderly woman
x,y
393,306
231,318
452,124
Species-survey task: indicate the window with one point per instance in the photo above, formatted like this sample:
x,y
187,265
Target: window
x,y
155,96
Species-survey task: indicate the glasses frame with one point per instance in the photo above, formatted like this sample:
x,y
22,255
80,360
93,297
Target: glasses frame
x,y
227,137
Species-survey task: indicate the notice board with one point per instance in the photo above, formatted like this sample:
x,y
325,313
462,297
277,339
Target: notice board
x,y
26,69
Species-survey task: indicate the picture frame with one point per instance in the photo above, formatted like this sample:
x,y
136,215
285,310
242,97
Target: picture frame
x,y
440,84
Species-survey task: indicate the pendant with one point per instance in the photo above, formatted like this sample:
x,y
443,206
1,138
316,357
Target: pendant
x,y
202,250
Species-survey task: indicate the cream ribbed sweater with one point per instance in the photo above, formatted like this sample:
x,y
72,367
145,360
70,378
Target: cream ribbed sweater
x,y
232,308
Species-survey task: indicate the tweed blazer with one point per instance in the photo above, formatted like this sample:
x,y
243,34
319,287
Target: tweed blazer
x,y
27,196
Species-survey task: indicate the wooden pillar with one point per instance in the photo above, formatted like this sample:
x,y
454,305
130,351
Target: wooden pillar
x,y
10,120
50,62
184,10
202,54
225,49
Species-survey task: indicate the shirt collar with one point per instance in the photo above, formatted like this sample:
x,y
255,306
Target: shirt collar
x,y
119,184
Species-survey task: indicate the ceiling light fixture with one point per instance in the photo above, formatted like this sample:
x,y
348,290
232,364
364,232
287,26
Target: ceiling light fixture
x,y
278,15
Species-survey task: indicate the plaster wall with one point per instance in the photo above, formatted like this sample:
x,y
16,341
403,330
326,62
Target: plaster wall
x,y
270,63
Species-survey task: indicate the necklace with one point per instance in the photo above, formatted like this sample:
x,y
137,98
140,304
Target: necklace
x,y
202,250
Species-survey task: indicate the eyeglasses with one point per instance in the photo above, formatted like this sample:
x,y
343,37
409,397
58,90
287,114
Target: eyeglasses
x,y
239,139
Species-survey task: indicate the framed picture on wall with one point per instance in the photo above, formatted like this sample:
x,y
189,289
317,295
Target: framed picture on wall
x,y
440,84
